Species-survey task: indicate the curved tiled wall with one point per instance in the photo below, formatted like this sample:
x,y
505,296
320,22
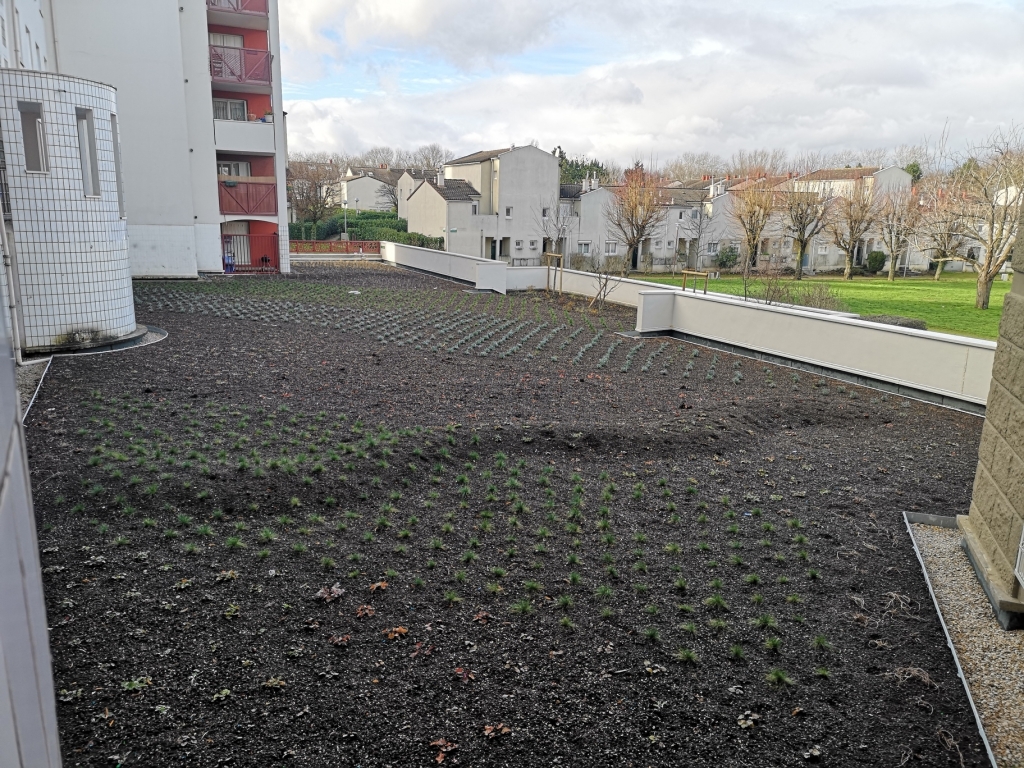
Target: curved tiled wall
x,y
70,247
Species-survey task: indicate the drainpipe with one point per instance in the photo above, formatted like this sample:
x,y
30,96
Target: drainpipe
x,y
12,302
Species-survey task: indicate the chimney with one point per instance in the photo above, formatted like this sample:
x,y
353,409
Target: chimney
x,y
440,179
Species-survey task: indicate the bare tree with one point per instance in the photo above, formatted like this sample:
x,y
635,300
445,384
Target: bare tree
x,y
851,219
697,225
939,229
694,165
636,211
898,216
875,158
388,195
804,216
431,156
751,210
314,182
758,162
556,220
989,185
377,156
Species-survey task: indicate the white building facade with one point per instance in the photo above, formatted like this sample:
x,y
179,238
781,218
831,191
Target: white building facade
x,y
202,129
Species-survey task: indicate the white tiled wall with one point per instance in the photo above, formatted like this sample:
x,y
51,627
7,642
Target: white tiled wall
x,y
74,276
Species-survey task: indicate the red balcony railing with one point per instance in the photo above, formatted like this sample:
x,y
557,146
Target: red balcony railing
x,y
240,65
334,246
251,253
254,7
248,197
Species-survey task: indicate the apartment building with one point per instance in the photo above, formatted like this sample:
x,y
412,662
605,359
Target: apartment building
x,y
203,139
495,207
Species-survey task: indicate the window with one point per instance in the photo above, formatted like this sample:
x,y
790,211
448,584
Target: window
x,y
611,247
233,168
519,245
230,109
475,209
227,41
87,152
34,135
680,214
115,137
823,249
544,212
508,212
533,245
3,32
668,244
657,245
584,249
712,247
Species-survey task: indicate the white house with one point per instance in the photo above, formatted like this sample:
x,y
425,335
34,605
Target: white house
x,y
511,188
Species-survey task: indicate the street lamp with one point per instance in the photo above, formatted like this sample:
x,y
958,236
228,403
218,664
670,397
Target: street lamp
x,y
357,205
345,205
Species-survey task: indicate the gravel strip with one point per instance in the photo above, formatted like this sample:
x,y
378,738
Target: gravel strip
x,y
992,659
28,380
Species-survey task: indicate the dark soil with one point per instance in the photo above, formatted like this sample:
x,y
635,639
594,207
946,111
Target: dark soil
x,y
613,561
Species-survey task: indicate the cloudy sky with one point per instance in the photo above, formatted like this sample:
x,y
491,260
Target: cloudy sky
x,y
619,79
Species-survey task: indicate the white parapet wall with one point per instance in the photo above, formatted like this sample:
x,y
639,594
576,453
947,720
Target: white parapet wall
x,y
955,369
482,274
951,370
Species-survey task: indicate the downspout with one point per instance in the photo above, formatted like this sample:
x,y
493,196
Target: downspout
x,y
12,302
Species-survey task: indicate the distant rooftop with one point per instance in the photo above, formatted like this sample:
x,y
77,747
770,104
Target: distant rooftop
x,y
479,157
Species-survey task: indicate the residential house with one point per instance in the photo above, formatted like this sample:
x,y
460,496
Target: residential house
x,y
510,190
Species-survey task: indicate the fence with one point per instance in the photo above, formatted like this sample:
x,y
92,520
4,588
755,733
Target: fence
x,y
251,254
257,7
334,246
248,197
240,65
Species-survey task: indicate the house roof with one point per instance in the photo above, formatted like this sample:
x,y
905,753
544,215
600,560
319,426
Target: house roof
x,y
839,174
479,157
388,175
452,190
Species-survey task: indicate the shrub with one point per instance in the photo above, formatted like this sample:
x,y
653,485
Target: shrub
x,y
876,261
727,257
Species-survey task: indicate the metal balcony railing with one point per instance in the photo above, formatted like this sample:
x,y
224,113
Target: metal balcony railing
x,y
249,198
240,65
250,253
253,7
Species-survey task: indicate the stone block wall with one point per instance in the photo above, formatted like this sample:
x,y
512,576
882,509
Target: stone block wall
x,y
992,531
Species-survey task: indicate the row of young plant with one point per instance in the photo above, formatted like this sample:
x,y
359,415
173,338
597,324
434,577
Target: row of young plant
x,y
384,442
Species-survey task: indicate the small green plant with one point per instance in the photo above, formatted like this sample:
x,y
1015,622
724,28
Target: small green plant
x,y
686,656
779,677
773,644
652,635
821,643
736,653
452,597
521,607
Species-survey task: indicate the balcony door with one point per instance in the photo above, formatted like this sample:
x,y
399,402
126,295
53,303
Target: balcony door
x,y
238,168
227,41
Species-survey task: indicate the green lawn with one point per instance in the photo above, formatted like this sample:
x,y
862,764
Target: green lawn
x,y
947,305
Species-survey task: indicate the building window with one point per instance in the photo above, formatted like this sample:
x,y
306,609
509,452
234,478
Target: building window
x,y
230,109
584,249
657,245
823,249
227,41
475,209
712,247
544,212
115,137
241,168
87,152
694,213
3,32
508,211
34,134
519,245
611,247
533,245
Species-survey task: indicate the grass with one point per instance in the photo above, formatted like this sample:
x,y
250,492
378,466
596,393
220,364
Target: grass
x,y
946,306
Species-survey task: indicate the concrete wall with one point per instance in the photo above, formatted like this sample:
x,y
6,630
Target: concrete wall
x,y
28,717
406,186
483,274
367,189
952,367
426,211
29,36
992,531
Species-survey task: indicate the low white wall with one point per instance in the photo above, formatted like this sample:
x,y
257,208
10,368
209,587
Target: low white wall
x,y
484,274
943,364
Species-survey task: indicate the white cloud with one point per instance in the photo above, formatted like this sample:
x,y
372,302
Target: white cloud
x,y
673,76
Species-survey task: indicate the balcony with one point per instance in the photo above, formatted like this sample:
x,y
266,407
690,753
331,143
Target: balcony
x,y
252,137
251,14
243,69
247,198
